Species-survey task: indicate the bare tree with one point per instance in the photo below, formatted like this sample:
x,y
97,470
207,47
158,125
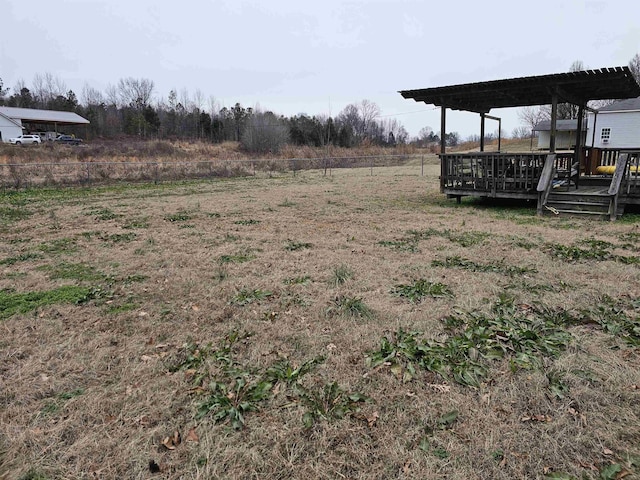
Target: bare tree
x,y
135,92
263,132
91,96
368,113
47,87
531,116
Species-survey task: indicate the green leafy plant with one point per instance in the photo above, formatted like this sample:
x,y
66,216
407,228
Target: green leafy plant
x,y
496,267
283,371
234,400
524,336
421,288
329,403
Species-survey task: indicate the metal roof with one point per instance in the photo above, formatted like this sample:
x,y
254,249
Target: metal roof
x,y
43,116
17,124
573,87
561,125
622,105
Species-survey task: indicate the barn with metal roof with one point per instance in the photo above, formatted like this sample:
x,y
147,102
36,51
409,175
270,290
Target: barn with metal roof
x,y
14,120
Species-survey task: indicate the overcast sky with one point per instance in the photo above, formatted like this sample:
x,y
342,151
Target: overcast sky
x,y
314,57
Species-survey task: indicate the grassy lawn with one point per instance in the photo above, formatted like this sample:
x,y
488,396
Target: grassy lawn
x,y
343,326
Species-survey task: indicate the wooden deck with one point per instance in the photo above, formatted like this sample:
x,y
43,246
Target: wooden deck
x,y
551,179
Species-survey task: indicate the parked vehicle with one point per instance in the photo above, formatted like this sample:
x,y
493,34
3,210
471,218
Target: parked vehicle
x,y
25,139
68,140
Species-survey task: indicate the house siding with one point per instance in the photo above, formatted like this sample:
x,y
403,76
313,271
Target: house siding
x,y
564,140
625,129
8,129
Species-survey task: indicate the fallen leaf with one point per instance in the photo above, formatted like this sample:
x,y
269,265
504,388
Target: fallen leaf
x,y
372,419
195,308
606,451
192,436
170,443
406,467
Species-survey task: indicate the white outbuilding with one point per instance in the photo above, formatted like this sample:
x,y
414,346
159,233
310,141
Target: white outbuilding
x,y
13,121
9,128
615,126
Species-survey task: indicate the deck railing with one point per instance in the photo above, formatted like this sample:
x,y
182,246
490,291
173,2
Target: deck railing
x,y
491,172
605,157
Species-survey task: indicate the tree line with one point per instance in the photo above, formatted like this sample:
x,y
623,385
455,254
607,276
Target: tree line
x,y
131,108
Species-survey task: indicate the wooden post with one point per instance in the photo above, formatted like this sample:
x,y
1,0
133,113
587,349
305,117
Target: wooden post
x,y
554,117
482,132
578,152
443,129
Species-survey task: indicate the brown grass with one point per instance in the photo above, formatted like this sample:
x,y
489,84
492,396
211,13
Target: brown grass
x,y
93,390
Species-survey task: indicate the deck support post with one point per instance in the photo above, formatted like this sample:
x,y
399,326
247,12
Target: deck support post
x,y
482,132
554,118
579,144
443,129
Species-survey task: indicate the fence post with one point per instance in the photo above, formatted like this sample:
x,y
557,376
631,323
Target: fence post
x,y
156,173
422,165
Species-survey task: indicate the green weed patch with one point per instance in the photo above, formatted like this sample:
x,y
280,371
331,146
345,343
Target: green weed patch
x,y
246,296
12,303
23,257
351,307
495,267
292,246
420,289
590,249
232,390
73,271
524,335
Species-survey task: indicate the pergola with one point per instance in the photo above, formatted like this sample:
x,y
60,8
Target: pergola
x,y
576,88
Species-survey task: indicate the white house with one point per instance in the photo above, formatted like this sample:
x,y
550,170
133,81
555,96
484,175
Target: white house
x,y
9,128
615,126
565,134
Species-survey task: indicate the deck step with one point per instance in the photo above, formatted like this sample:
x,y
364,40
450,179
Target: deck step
x,y
592,204
581,212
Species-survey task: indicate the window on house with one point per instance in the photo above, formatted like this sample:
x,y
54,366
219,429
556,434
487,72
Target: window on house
x,y
605,134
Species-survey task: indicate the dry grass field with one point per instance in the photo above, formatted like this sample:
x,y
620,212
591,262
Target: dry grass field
x,y
345,326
